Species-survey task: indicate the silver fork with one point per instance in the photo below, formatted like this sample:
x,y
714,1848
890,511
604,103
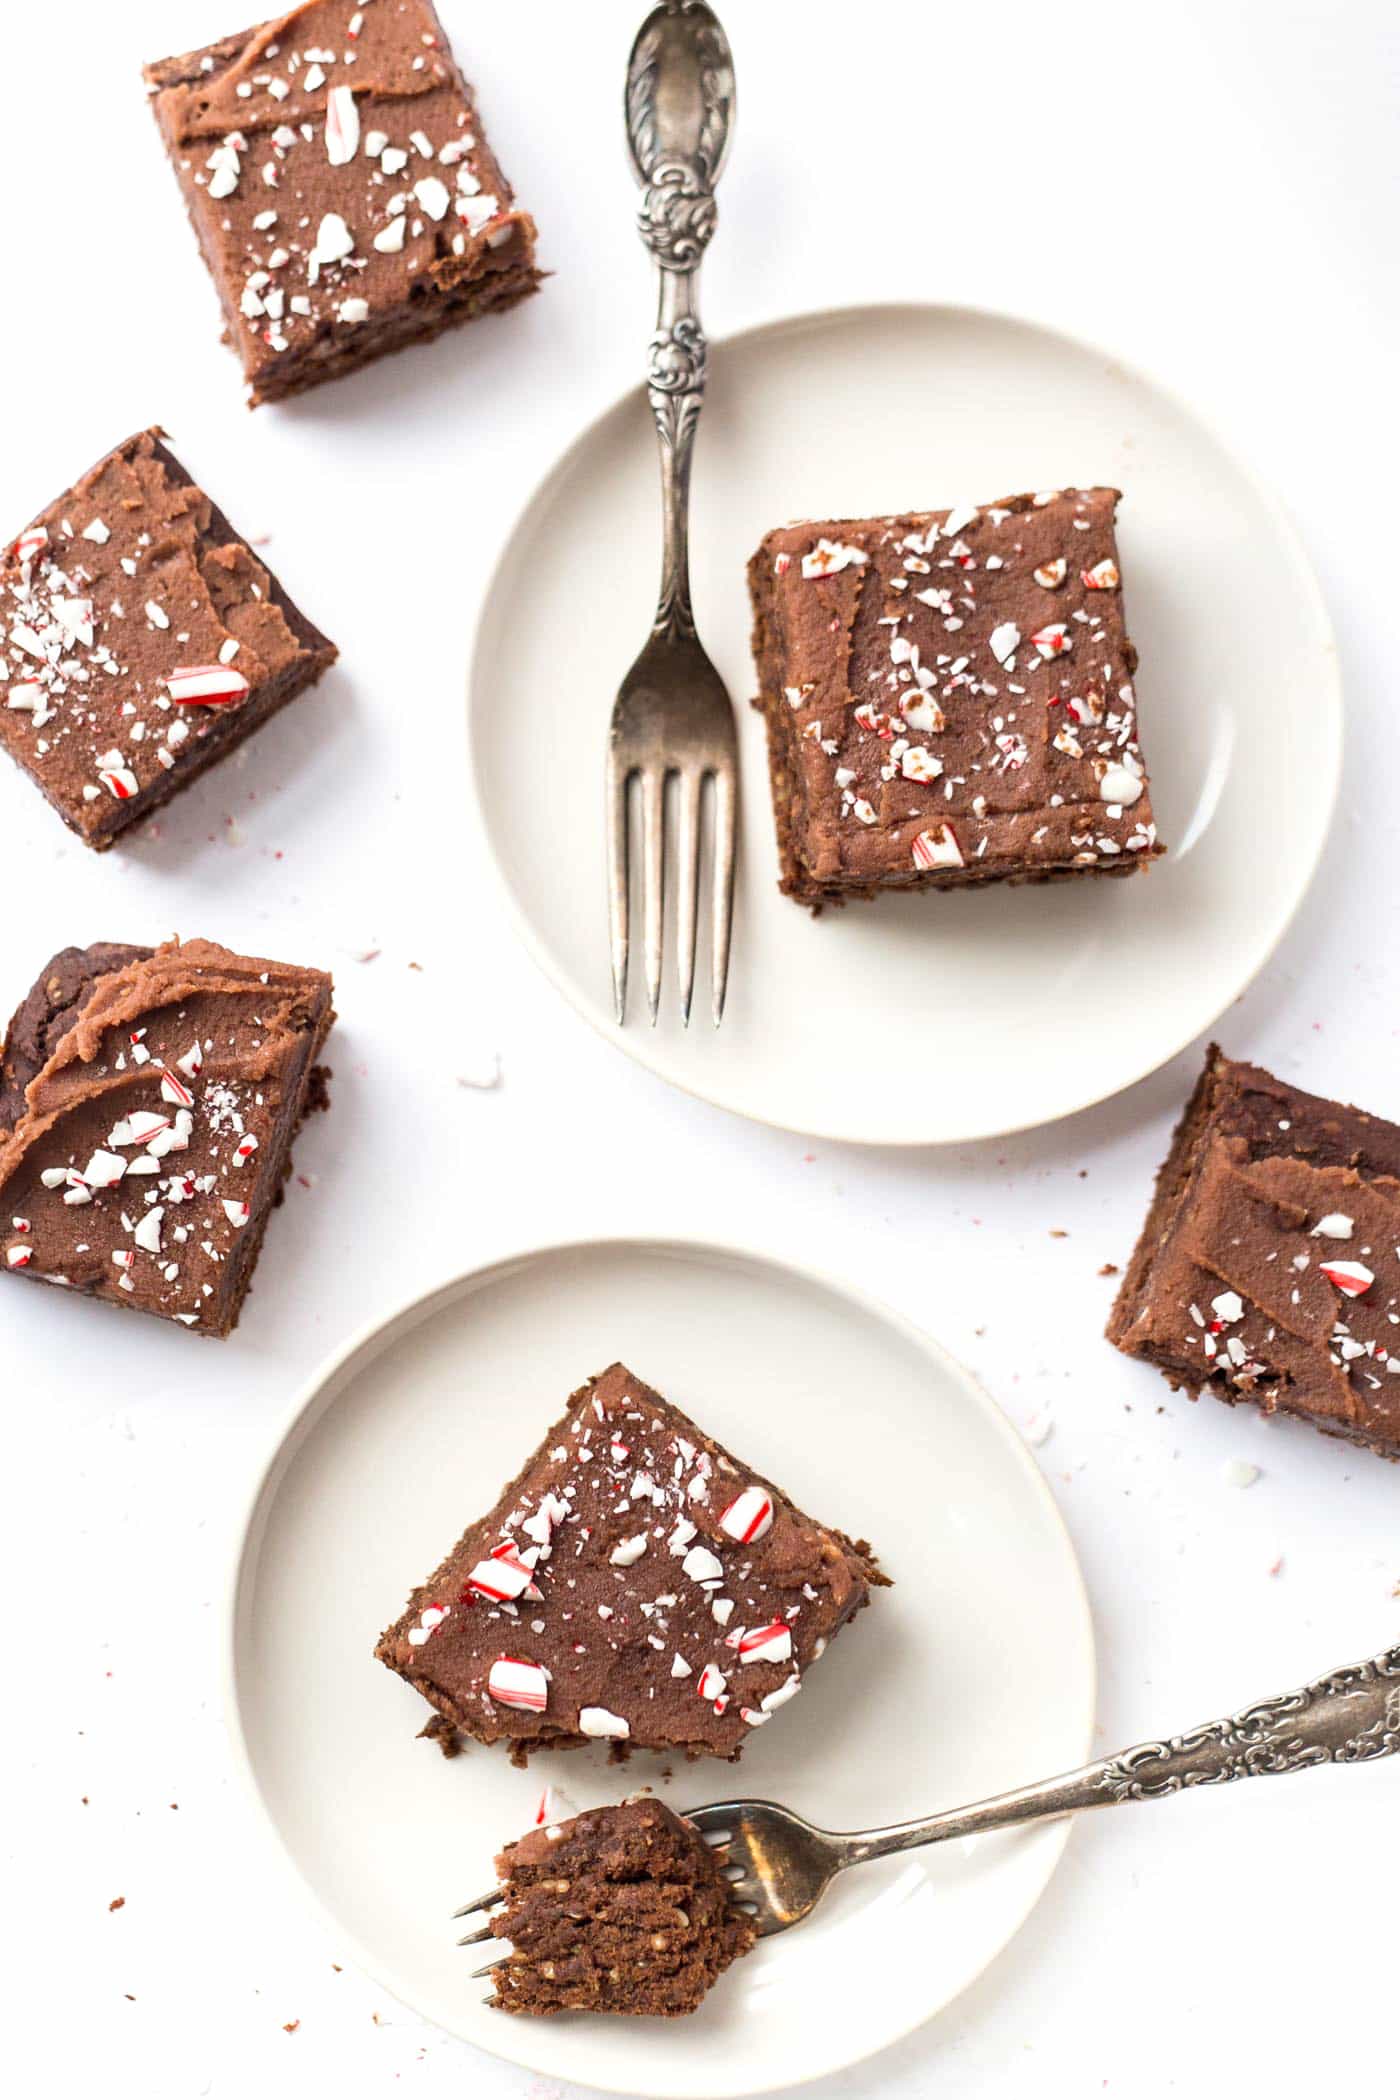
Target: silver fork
x,y
672,715
780,1864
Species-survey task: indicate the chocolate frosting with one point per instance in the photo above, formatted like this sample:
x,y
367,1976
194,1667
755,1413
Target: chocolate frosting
x,y
159,1099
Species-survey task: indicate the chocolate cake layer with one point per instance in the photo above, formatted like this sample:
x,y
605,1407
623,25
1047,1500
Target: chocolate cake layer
x,y
1268,1270
336,173
140,641
635,1584
621,1910
149,1103
949,700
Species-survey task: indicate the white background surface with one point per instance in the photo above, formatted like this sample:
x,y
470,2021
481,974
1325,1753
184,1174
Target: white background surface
x,y
1209,192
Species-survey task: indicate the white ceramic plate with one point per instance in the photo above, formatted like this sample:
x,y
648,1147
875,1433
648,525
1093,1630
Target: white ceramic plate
x,y
976,1671
905,1021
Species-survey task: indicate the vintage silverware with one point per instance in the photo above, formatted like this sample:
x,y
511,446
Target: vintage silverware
x,y
672,715
780,1865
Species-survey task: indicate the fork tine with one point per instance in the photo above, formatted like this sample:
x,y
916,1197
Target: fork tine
x,y
617,881
475,1939
654,866
725,824
489,1970
688,869
481,1903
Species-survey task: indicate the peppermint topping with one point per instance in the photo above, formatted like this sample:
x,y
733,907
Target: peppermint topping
x,y
1335,1226
828,556
429,1620
1053,640
1352,1278
767,1644
702,1566
507,1575
597,1721
342,126
1051,574
519,1684
1119,784
1102,577
749,1517
937,849
206,685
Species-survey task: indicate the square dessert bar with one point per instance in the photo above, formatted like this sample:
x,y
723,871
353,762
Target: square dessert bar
x,y
342,189
148,1103
635,1583
140,641
1268,1268
949,699
619,1910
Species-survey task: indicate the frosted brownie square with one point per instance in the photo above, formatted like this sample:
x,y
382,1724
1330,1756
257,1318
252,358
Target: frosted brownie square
x,y
148,1104
634,1584
337,175
949,699
141,640
1267,1271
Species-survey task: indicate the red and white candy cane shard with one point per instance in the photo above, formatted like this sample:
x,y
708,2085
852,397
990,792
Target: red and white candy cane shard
x,y
342,126
173,1089
1053,640
21,1224
1102,577
506,1575
523,1685
748,1517
1051,574
429,1620
206,685
237,1214
120,782
767,1644
192,1063
711,1683
937,849
19,1257
245,1148
30,543
1352,1278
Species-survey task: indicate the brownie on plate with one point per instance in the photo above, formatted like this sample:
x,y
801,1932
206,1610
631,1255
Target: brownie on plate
x,y
621,1910
633,1583
141,640
148,1103
949,700
1268,1270
347,203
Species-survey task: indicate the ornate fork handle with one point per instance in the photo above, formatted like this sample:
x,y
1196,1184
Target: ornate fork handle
x,y
680,104
1349,1717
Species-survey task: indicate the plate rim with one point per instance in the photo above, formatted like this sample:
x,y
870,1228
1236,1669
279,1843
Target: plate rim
x,y
636,1042
319,1392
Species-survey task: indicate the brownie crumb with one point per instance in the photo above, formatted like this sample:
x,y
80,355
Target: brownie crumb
x,y
439,1730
